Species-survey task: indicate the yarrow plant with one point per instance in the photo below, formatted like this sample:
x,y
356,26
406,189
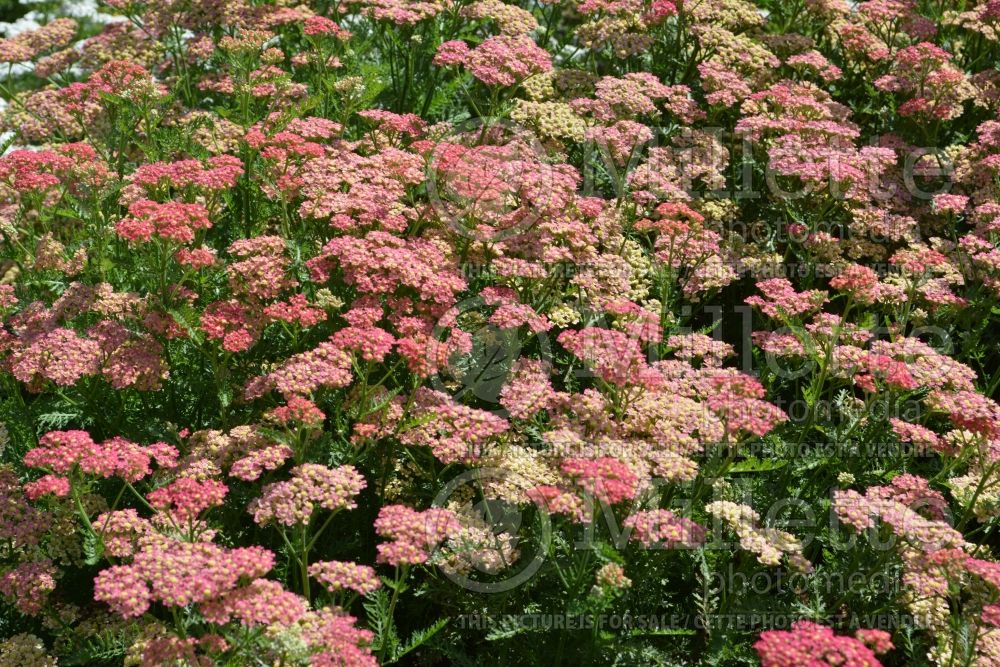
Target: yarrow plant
x,y
597,332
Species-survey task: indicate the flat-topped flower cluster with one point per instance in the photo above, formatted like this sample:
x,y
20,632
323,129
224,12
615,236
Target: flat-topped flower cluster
x,y
327,326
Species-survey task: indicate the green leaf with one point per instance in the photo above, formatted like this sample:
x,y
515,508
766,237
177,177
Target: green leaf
x,y
377,607
187,319
664,632
505,630
754,464
68,213
106,648
93,548
418,639
55,421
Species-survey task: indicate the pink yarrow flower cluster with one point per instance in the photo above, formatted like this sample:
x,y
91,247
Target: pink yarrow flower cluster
x,y
177,574
501,60
339,575
808,643
781,301
414,535
174,221
311,487
65,451
185,498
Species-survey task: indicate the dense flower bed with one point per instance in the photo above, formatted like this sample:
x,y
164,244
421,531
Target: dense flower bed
x,y
611,332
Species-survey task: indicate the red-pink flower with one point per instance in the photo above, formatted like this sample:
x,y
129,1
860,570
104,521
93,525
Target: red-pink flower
x,y
339,575
320,25
501,60
311,487
177,574
216,174
606,479
780,299
453,431
808,643
60,355
414,534
261,603
232,323
185,498
29,584
663,527
64,451
174,221
48,484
